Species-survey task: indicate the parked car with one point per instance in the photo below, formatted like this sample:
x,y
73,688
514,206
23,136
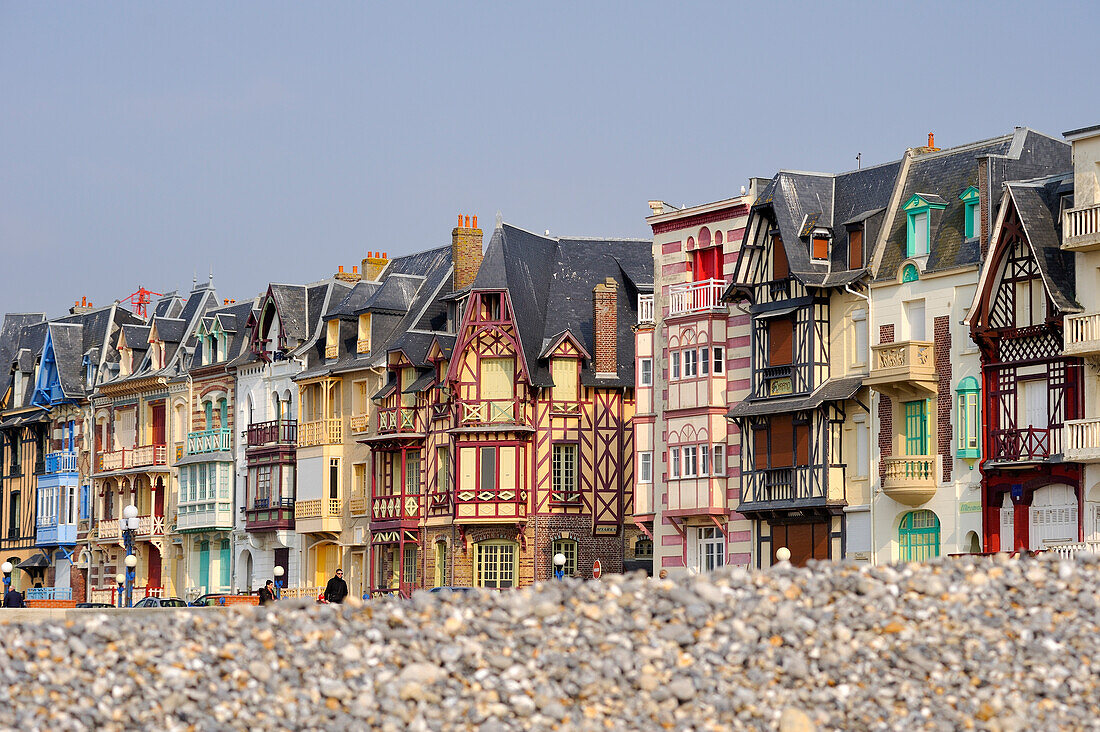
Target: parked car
x,y
94,604
209,600
160,602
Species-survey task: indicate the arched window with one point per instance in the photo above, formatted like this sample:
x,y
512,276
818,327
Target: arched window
x,y
496,564
909,273
919,536
643,548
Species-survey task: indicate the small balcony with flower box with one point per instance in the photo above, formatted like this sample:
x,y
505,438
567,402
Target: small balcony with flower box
x,y
905,370
318,515
1081,229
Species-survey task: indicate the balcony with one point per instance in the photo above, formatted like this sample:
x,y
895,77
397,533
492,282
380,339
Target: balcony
x,y
359,423
275,432
910,480
208,441
332,351
60,462
479,505
398,508
320,432
357,505
49,593
1030,444
491,412
138,457
270,514
905,370
1082,335
697,497
802,488
1081,229
205,516
1069,551
362,345
108,529
317,515
645,309
50,532
1083,441
695,297
399,419
440,504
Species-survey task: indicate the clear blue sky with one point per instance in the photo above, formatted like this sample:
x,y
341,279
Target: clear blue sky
x,y
142,142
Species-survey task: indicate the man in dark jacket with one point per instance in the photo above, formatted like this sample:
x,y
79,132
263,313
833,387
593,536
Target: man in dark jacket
x,y
336,589
12,598
267,593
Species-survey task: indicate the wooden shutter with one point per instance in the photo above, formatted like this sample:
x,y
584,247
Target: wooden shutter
x,y
780,342
497,378
760,449
782,442
564,372
821,247
780,269
855,249
802,444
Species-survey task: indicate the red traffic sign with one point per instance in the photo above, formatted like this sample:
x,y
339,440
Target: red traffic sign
x,y
597,570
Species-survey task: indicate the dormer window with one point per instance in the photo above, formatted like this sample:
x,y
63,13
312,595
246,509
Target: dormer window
x,y
362,344
819,246
972,221
918,211
332,339
855,249
490,306
780,268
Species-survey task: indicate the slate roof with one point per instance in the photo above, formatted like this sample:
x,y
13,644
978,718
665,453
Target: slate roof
x,y
1038,204
10,332
799,202
941,177
550,282
832,390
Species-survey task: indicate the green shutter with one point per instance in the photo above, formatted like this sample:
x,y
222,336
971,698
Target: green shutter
x,y
916,428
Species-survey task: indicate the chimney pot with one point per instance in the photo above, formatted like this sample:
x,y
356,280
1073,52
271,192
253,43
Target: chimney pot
x,y
385,255
355,269
475,222
467,222
84,301
931,139
341,269
460,220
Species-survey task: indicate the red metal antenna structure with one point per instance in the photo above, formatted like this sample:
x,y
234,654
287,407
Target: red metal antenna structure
x,y
139,300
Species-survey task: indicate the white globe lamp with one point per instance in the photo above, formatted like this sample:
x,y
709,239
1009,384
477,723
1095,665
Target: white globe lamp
x,y
783,554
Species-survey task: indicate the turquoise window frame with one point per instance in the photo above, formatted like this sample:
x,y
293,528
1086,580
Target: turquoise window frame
x,y
971,219
968,402
909,273
916,427
919,536
913,208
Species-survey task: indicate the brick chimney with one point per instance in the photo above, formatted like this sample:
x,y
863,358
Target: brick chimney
x,y
81,306
352,276
373,265
467,249
605,324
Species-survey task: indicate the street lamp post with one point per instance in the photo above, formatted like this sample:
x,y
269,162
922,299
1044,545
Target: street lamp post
x,y
559,566
120,578
130,524
278,581
6,568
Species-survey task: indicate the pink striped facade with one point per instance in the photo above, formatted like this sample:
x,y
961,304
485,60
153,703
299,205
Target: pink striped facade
x,y
689,412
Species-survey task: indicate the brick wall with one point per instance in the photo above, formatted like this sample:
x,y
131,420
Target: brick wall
x,y
942,353
605,323
467,249
983,202
885,411
78,583
578,527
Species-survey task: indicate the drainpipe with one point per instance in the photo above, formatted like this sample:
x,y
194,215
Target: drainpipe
x,y
870,474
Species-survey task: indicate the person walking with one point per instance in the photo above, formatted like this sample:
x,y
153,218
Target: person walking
x,y
13,598
336,589
267,593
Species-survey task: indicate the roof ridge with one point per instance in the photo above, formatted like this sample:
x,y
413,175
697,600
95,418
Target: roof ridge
x,y
1034,182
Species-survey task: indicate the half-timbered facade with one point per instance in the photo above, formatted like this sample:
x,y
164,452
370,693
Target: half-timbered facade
x,y
692,361
800,274
1032,493
925,371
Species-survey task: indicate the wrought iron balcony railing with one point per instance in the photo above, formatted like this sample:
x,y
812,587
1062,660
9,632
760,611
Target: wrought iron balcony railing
x,y
275,432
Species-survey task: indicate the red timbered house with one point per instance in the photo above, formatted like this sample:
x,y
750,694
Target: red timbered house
x,y
1031,495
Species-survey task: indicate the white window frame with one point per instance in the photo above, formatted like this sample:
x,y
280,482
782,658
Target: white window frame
x,y
718,353
674,365
691,461
709,538
718,459
691,364
645,466
704,361
674,462
645,372
704,461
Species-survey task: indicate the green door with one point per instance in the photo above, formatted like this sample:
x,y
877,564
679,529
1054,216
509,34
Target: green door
x,y
916,427
223,563
919,536
204,566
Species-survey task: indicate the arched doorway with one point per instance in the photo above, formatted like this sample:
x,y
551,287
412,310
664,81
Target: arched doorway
x,y
919,536
246,564
154,567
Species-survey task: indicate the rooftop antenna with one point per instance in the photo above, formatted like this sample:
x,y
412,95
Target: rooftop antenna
x,y
211,274
859,161
500,219
194,279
